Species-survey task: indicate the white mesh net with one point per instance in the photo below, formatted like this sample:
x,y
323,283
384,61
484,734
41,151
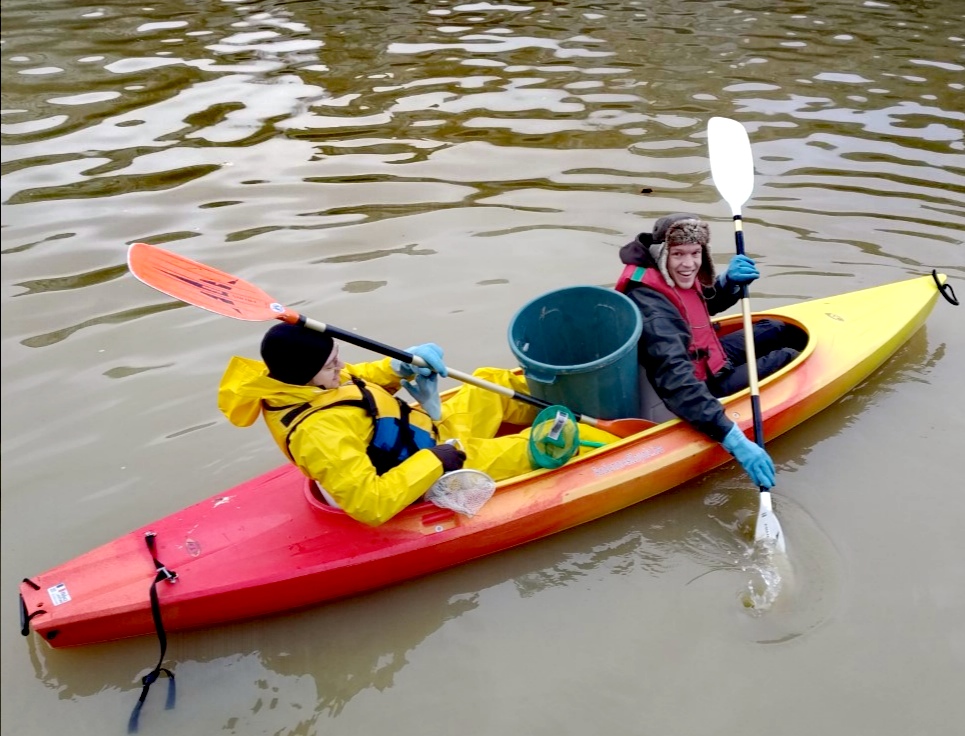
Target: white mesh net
x,y
464,491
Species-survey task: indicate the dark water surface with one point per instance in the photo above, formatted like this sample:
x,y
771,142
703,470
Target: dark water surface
x,y
417,171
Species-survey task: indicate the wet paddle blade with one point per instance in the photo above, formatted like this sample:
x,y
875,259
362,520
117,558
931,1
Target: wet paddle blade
x,y
768,532
731,161
203,286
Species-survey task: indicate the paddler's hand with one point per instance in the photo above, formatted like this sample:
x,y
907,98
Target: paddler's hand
x,y
742,270
451,457
752,457
425,390
430,353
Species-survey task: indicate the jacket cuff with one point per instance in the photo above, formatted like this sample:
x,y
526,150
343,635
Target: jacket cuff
x,y
727,286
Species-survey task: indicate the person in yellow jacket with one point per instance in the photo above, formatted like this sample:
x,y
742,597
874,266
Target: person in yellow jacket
x,y
370,452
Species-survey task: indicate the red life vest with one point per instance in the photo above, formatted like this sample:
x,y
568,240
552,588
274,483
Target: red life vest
x,y
705,350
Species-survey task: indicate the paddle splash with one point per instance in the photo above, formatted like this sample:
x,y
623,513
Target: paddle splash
x,y
771,573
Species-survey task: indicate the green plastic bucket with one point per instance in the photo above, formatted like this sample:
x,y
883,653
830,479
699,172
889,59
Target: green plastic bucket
x,y
577,347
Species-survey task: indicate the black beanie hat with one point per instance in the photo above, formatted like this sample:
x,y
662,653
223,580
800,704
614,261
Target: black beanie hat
x,y
294,354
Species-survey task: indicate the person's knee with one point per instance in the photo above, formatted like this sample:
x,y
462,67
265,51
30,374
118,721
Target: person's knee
x,y
796,338
769,331
784,356
774,361
772,335
500,376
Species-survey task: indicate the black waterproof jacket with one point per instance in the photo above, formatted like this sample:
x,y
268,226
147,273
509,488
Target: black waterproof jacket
x,y
662,350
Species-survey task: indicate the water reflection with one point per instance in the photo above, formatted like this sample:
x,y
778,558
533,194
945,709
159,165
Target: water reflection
x,y
246,72
309,665
415,171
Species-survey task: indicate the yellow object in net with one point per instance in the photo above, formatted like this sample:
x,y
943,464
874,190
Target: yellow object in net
x,y
554,437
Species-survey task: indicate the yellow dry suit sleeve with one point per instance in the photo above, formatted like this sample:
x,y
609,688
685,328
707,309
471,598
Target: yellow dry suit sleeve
x,y
241,389
378,372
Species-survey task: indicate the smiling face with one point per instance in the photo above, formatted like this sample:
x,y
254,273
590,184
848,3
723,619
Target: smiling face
x,y
683,263
329,376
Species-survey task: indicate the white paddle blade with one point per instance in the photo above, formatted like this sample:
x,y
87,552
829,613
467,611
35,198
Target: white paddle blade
x,y
731,161
768,531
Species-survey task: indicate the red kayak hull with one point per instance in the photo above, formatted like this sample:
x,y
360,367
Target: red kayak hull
x,y
269,545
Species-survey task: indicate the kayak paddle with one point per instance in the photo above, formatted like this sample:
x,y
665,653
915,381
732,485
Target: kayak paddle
x,y
732,168
219,292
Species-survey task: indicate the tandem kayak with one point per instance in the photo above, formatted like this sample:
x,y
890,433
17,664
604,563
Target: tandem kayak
x,y
272,544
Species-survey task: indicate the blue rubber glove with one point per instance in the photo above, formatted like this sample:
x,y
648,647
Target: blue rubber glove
x,y
425,390
752,457
742,270
430,353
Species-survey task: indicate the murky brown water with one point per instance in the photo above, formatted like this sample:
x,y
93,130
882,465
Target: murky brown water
x,y
417,171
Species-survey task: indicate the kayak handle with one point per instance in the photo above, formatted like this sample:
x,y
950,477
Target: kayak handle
x,y
945,289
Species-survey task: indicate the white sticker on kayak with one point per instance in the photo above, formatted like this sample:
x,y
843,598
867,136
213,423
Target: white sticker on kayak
x,y
58,594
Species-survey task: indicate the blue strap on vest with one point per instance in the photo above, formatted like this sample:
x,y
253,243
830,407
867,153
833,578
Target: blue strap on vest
x,y
394,439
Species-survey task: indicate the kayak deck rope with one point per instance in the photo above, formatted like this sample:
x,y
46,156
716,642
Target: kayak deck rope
x,y
25,617
151,677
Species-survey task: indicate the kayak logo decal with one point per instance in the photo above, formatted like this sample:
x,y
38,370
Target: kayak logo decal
x,y
58,594
192,547
631,458
834,316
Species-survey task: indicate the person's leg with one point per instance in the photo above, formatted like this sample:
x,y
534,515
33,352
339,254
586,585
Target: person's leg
x,y
474,415
733,382
734,348
738,379
769,334
774,361
505,457
771,340
595,434
776,344
772,334
501,457
478,412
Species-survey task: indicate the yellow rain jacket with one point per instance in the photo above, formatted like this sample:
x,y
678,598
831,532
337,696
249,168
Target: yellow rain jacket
x,y
331,445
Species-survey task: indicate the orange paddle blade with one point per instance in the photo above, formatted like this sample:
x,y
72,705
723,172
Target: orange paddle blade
x,y
203,286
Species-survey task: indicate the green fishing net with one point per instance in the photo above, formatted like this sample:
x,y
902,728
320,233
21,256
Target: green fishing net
x,y
554,437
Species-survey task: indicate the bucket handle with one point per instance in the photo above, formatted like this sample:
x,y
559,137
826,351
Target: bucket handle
x,y
544,378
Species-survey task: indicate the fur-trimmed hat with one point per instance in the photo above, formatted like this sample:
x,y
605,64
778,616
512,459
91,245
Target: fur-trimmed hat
x,y
294,353
661,225
682,229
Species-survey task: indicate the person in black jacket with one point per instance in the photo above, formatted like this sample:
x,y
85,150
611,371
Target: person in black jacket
x,y
672,281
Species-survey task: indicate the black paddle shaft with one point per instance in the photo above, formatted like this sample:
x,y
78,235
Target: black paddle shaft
x,y
402,355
